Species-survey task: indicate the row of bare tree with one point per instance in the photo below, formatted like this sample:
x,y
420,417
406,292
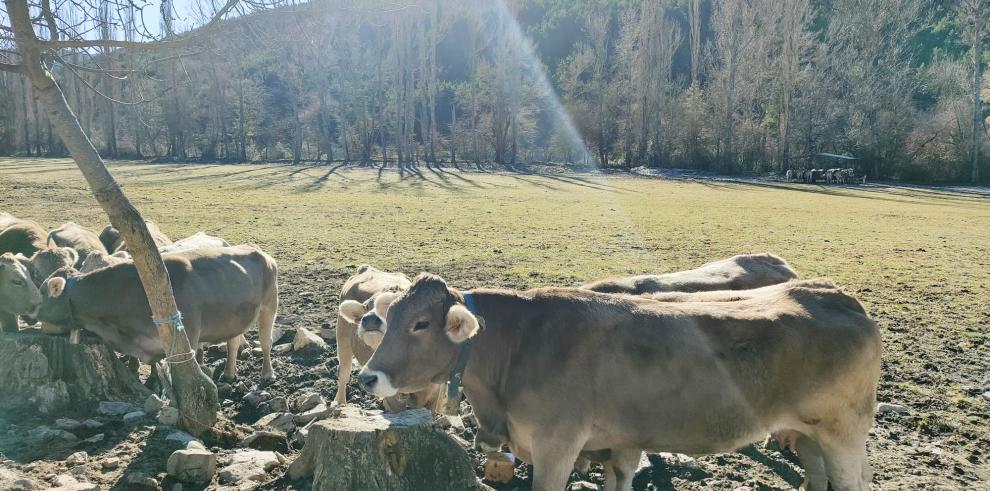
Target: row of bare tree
x,y
733,86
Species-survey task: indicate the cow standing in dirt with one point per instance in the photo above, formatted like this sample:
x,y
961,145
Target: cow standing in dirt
x,y
221,293
557,371
83,240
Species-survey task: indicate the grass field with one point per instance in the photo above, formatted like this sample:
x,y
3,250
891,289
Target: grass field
x,y
918,258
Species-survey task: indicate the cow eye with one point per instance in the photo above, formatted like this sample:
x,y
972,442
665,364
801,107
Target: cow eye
x,y
421,325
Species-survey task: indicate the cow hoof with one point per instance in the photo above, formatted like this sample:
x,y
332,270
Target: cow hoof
x,y
228,378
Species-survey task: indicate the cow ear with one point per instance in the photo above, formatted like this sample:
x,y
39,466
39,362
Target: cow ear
x,y
351,311
383,301
72,253
461,324
122,254
56,286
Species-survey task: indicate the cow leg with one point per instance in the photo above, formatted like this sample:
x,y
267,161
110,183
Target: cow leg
x,y
810,454
345,357
621,468
266,322
230,370
553,461
845,464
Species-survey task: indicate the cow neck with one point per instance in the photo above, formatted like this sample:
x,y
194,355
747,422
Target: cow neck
x,y
463,354
70,284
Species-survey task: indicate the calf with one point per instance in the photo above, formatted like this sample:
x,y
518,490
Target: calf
x,y
199,240
47,261
557,371
736,273
221,293
18,294
23,237
80,238
358,326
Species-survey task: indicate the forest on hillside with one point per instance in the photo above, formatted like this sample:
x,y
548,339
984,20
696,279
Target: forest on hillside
x,y
732,86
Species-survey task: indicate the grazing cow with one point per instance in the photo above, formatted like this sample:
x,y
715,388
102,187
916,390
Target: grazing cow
x,y
199,240
111,239
737,295
18,294
98,260
80,238
736,273
23,237
221,293
359,327
6,220
554,371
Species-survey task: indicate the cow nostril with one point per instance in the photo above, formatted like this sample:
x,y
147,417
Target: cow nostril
x,y
367,380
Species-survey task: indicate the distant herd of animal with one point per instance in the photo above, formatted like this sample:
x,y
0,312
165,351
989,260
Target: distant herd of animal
x,y
826,176
697,361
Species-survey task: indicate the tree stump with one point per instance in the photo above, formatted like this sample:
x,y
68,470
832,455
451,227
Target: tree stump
x,y
370,450
47,374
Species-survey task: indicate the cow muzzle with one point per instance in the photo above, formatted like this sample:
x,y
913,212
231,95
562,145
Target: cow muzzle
x,y
376,383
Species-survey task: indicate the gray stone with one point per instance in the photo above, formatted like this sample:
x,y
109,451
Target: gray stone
x,y
283,348
16,481
97,438
277,333
46,434
317,412
181,437
134,417
307,341
677,459
153,404
77,458
986,395
69,483
92,424
306,401
67,424
115,408
267,440
168,415
888,408
582,486
192,465
255,398
110,464
277,421
298,438
247,465
78,470
141,481
278,404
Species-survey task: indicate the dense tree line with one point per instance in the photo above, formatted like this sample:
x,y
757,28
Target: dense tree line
x,y
733,86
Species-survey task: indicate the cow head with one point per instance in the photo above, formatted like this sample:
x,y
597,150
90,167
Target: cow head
x,y
18,294
369,316
48,261
55,309
426,326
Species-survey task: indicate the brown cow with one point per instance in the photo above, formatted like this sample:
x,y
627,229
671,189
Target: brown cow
x,y
47,261
359,328
6,220
18,294
736,273
23,237
221,293
111,239
80,238
555,371
98,260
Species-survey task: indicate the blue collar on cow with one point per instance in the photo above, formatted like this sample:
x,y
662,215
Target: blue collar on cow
x,y
457,376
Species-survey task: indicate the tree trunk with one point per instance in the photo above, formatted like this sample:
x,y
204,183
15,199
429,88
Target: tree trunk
x,y
977,105
48,375
195,393
360,450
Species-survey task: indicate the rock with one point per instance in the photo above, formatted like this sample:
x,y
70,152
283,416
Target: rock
x,y
181,437
13,480
307,341
242,387
356,449
152,404
255,398
278,421
134,417
97,438
580,486
306,401
499,467
247,465
986,395
67,424
92,424
69,483
77,458
277,333
283,348
78,470
278,404
192,465
115,408
168,415
317,412
110,464
267,440
677,459
141,481
888,408
298,438
330,335
46,434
